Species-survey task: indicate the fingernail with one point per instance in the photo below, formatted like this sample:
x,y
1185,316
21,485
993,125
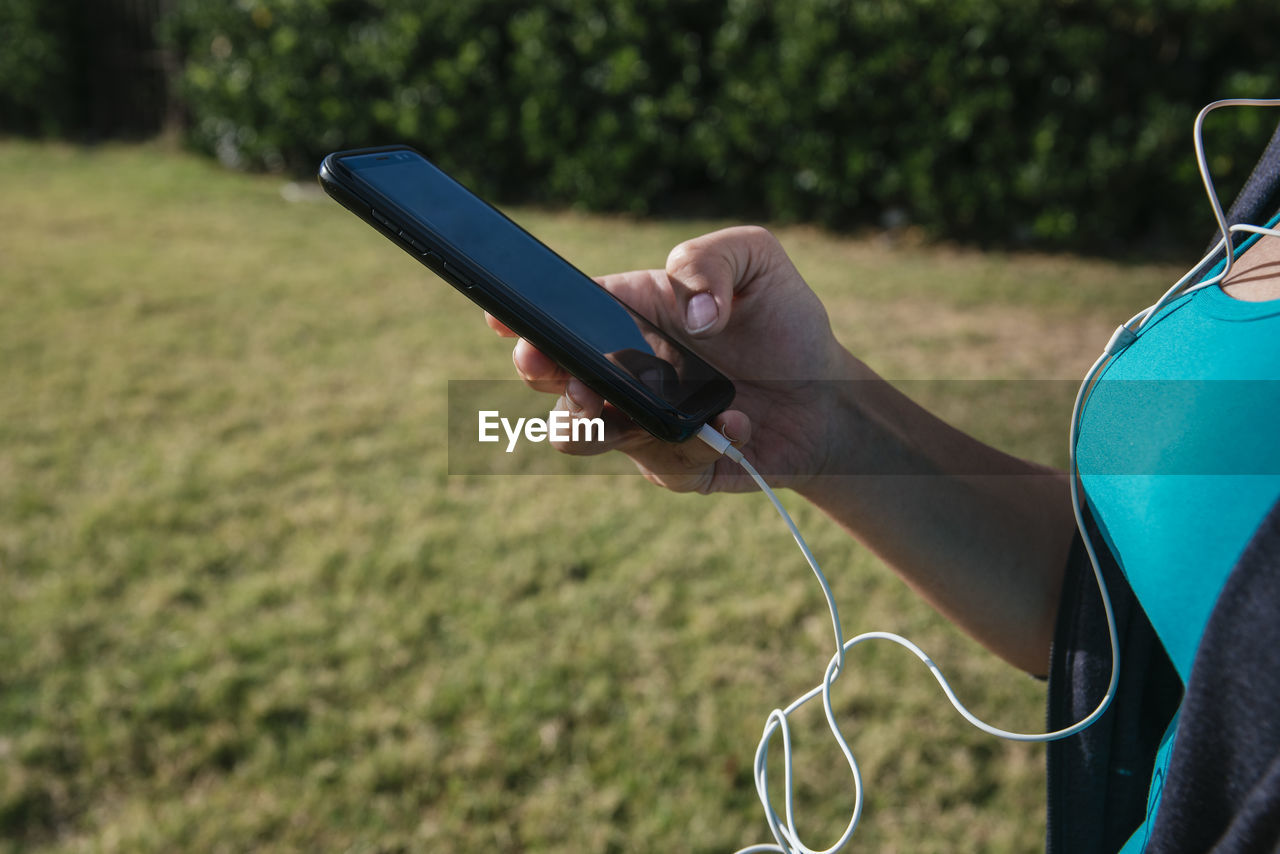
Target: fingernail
x,y
701,313
571,402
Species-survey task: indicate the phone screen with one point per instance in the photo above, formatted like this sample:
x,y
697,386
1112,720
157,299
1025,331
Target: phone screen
x,y
544,281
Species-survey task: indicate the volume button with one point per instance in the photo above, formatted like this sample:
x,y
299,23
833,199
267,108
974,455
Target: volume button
x,y
444,271
457,278
376,214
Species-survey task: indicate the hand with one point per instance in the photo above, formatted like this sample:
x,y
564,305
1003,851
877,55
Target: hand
x,y
987,549
737,295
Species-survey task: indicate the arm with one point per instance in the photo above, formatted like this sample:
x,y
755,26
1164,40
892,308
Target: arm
x,y
981,535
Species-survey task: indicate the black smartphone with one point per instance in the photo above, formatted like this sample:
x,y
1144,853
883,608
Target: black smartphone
x,y
656,380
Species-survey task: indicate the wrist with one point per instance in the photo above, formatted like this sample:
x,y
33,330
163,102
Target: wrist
x,y
837,411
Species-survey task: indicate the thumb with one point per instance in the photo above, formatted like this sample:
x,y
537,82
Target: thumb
x,y
708,271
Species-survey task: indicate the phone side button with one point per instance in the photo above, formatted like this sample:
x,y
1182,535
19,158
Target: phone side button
x,y
444,271
460,281
376,214
436,263
413,244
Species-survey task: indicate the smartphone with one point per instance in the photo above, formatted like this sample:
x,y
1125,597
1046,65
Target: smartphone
x,y
654,379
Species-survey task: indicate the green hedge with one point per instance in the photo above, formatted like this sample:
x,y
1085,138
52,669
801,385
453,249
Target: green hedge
x,y
582,102
37,93
1044,119
1063,122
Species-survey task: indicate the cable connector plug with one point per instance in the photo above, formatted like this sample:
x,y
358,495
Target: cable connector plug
x,y
713,437
1120,339
719,442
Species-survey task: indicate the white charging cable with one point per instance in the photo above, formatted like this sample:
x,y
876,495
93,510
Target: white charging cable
x,y
1183,286
787,838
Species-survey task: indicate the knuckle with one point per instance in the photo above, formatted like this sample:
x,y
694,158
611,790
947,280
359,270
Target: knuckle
x,y
683,255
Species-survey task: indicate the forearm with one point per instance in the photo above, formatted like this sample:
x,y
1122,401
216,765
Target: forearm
x,y
981,535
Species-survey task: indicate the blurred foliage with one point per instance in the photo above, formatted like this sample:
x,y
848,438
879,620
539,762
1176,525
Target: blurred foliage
x,y
1058,122
36,67
586,102
1050,120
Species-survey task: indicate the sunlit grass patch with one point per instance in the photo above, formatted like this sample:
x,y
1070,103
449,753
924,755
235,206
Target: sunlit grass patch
x,y
246,607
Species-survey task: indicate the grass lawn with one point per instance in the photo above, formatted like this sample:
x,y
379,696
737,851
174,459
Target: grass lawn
x,y
245,606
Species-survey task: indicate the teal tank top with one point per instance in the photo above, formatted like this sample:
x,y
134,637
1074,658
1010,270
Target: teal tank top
x,y
1179,457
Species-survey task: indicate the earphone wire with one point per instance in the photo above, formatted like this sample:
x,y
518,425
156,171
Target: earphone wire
x,y
786,837
1224,228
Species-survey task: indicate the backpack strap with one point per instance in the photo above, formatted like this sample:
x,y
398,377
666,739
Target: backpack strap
x,y
1259,199
1261,194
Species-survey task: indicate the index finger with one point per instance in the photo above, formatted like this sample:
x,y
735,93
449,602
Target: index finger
x,y
498,326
